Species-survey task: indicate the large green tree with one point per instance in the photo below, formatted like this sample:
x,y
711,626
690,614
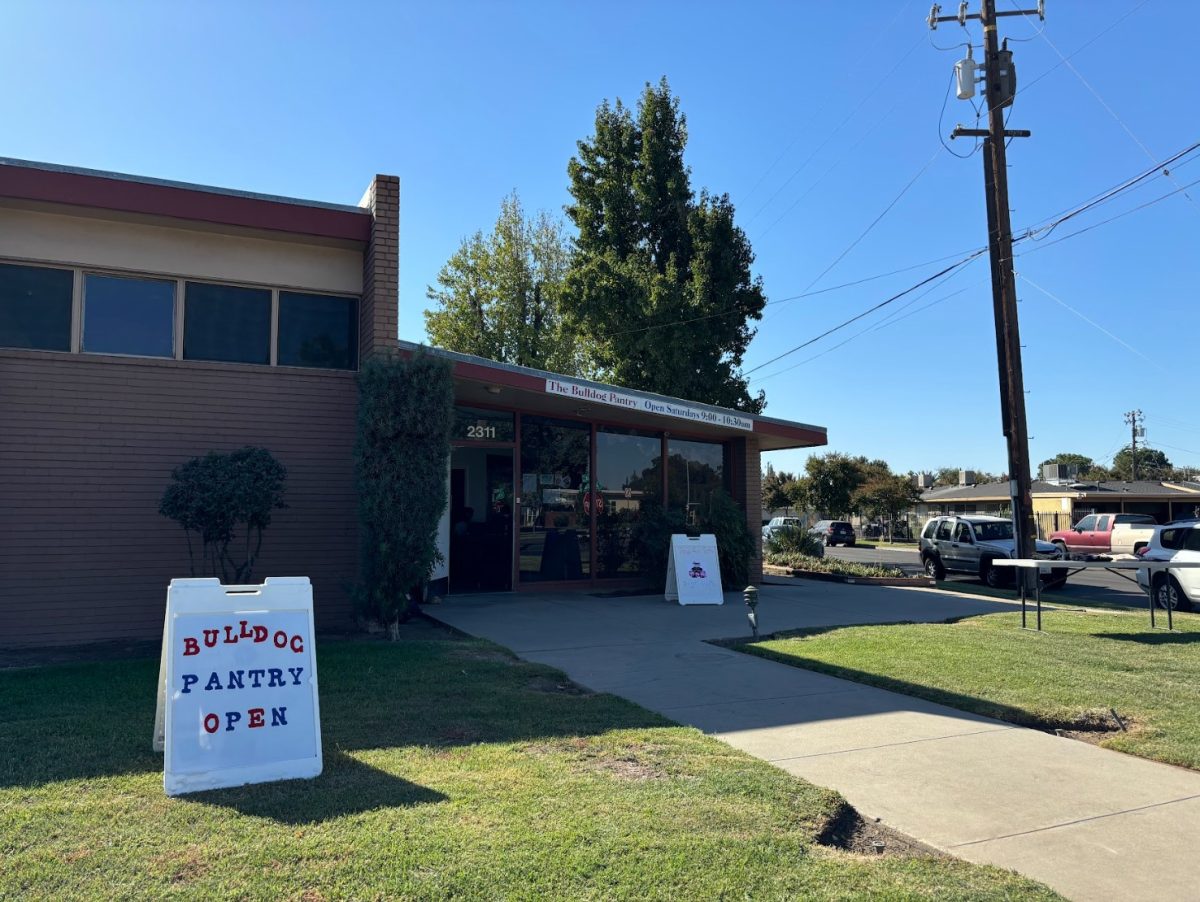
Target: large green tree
x,y
830,481
659,288
887,497
498,296
775,484
1151,464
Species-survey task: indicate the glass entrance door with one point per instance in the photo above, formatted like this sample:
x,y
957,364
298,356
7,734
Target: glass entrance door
x,y
481,519
556,500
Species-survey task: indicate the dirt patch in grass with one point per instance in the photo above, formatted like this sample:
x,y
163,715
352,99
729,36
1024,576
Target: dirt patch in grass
x,y
635,763
551,686
1095,726
849,831
487,655
186,865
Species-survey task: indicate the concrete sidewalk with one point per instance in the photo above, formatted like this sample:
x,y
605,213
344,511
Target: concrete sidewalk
x,y
1091,823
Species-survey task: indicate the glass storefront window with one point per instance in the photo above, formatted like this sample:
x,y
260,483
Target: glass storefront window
x,y
556,500
628,478
694,471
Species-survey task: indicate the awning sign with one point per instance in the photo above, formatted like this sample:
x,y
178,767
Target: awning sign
x,y
237,695
694,571
648,405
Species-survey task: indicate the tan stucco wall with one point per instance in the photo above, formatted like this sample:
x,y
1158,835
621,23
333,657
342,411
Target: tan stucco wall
x,y
115,244
1051,505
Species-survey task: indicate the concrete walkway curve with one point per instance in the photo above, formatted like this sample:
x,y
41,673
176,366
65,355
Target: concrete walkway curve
x,y
1092,823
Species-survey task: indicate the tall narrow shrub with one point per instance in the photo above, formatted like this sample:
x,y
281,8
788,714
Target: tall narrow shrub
x,y
405,411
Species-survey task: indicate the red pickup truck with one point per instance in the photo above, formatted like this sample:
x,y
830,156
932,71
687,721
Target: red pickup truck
x,y
1106,534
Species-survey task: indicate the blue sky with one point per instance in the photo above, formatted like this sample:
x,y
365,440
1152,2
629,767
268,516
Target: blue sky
x,y
813,117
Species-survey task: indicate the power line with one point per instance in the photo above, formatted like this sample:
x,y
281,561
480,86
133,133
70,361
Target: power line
x,y
1041,245
1092,322
1072,213
874,222
1079,75
892,320
867,312
833,133
829,100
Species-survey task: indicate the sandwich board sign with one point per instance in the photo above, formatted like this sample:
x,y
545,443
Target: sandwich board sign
x,y
237,686
693,571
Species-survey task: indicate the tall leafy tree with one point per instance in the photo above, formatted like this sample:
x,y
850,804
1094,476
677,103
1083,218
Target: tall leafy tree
x,y
1151,464
498,296
775,485
830,482
659,287
887,496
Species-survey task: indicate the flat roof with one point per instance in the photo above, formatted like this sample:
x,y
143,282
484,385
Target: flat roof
x,y
1092,491
555,394
68,185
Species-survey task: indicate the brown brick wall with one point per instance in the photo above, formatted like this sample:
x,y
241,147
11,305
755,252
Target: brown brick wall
x,y
747,491
379,312
87,445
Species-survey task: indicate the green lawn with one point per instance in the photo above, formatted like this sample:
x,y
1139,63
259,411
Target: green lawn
x,y
1085,663
452,771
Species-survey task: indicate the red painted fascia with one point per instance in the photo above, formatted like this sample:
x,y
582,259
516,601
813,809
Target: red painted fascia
x,y
127,196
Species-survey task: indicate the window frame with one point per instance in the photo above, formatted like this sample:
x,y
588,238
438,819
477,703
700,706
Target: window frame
x,y
72,321
356,330
79,329
79,271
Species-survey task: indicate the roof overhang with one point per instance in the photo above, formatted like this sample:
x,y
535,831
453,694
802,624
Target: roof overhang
x,y
479,381
44,183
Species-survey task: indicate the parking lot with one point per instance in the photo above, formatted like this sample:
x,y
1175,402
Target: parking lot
x,y
1089,586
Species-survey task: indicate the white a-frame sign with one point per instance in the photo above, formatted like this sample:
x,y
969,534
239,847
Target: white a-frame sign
x,y
694,571
237,688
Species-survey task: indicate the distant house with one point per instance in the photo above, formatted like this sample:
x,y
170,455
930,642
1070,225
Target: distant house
x,y
1060,504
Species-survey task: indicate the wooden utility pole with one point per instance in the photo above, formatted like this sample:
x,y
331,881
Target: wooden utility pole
x,y
1133,419
1000,82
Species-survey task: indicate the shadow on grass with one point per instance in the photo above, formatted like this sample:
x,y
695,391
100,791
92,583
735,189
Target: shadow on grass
x,y
969,703
1154,638
345,786
92,721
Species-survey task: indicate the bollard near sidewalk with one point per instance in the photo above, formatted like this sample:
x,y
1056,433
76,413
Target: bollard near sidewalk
x,y
750,595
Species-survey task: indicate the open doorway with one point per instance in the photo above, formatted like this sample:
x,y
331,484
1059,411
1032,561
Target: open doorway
x,y
481,519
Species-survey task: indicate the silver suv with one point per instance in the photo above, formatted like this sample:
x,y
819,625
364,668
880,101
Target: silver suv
x,y
971,544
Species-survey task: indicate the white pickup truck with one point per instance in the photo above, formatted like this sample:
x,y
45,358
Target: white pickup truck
x,y
1107,534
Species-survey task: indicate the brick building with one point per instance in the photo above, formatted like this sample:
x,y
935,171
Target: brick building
x,y
144,322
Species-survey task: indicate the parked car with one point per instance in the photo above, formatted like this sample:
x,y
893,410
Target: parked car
x,y
971,544
1106,534
1178,589
835,532
778,523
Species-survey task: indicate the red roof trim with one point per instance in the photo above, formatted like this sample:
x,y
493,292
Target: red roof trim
x,y
128,196
796,433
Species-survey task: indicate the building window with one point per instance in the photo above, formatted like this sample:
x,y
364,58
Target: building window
x,y
227,323
628,483
694,471
318,330
556,500
35,307
128,316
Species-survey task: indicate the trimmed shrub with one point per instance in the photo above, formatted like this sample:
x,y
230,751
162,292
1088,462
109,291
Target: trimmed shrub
x,y
405,413
791,540
720,516
216,497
